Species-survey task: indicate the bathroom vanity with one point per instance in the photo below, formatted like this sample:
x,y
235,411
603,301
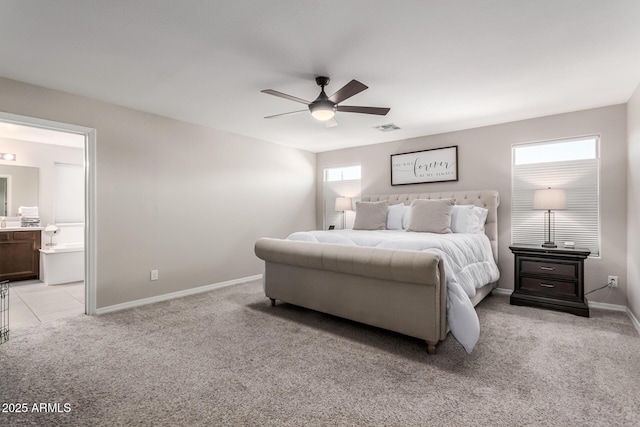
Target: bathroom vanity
x,y
20,253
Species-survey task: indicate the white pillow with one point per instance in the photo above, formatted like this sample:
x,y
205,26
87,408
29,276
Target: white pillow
x,y
468,219
406,217
394,217
463,219
481,219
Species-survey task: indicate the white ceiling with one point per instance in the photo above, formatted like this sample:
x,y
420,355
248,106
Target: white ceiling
x,y
439,65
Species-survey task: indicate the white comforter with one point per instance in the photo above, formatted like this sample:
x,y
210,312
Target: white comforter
x,y
468,263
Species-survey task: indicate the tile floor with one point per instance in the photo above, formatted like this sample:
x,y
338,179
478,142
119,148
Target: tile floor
x,y
32,302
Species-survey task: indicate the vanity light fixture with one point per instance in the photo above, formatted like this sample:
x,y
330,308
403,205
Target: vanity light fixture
x,y
7,156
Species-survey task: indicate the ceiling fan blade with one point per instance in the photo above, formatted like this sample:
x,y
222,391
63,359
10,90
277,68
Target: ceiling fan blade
x,y
286,114
331,123
364,110
285,96
354,87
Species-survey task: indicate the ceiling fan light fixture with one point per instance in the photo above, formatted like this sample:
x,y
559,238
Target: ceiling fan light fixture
x,y
322,110
324,107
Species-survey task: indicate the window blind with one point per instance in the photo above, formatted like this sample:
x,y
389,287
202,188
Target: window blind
x,y
579,223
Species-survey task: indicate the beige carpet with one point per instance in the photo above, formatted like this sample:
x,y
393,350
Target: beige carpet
x,y
228,358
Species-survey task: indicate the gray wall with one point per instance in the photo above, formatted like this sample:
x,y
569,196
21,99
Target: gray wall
x,y
633,199
484,156
187,200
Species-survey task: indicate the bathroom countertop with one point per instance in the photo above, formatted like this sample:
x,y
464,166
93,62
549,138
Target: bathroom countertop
x,y
21,229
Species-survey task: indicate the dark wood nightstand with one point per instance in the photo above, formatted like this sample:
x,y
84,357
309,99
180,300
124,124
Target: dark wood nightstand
x,y
550,278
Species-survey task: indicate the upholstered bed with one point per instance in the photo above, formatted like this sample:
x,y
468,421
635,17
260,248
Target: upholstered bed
x,y
401,287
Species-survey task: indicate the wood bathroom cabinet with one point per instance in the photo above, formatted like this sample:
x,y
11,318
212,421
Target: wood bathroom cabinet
x,y
19,254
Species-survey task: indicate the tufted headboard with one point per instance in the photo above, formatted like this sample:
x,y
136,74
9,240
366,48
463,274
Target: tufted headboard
x,y
489,199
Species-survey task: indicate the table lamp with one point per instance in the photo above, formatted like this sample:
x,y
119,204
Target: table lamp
x,y
550,200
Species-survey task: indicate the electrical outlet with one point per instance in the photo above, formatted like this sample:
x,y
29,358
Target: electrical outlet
x,y
154,274
612,281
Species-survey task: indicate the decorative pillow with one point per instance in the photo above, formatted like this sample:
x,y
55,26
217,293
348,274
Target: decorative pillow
x,y
371,215
431,216
394,217
463,219
406,217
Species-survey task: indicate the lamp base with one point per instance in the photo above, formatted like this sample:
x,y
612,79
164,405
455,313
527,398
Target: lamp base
x,y
549,245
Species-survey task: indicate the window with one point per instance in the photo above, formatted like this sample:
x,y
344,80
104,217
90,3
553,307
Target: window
x,y
348,173
570,164
68,193
342,181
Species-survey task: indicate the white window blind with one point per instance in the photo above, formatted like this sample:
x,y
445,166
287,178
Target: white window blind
x,y
340,182
68,193
572,165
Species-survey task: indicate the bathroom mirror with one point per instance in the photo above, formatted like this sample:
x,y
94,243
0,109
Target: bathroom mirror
x,y
18,187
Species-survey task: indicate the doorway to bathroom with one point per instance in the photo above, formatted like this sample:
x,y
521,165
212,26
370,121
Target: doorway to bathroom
x,y
64,157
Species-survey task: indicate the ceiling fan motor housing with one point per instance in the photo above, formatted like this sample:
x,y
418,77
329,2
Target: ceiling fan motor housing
x,y
322,81
322,108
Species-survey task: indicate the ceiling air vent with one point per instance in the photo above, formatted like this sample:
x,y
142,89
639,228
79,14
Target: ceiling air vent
x,y
386,128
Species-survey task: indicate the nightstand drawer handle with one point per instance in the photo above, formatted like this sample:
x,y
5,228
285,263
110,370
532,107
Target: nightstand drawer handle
x,y
547,268
547,285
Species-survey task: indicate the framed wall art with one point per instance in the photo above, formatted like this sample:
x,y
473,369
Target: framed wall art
x,y
419,167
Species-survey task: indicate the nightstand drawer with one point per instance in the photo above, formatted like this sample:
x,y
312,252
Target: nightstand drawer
x,y
569,270
548,287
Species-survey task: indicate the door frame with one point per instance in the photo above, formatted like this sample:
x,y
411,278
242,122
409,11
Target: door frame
x,y
90,252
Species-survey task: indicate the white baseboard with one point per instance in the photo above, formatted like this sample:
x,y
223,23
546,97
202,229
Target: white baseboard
x,y
172,295
605,306
634,320
592,304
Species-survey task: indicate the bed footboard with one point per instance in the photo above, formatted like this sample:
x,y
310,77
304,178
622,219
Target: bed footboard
x,y
402,291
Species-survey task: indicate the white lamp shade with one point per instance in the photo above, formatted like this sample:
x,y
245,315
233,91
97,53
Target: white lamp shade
x,y
550,199
51,230
343,204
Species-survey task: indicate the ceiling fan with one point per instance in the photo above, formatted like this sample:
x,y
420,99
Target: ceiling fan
x,y
324,107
